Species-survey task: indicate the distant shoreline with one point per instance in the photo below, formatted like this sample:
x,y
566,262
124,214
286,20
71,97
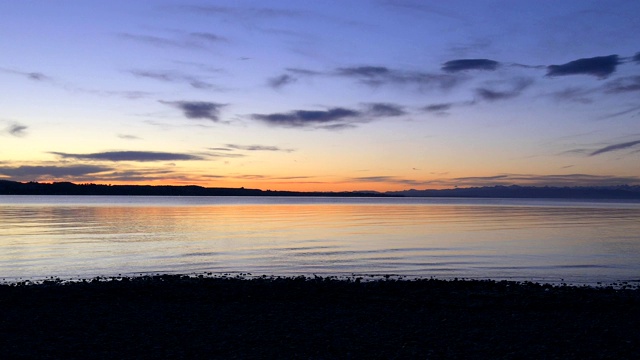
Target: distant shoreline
x,y
619,192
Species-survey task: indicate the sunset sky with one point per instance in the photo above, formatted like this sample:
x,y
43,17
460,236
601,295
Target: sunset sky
x,y
321,95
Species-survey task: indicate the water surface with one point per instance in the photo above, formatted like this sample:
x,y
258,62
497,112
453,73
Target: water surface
x,y
539,240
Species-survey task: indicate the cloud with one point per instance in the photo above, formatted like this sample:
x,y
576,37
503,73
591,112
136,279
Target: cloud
x,y
198,109
336,118
470,64
35,76
256,148
195,40
575,94
52,171
438,107
388,179
143,156
615,147
384,110
636,57
621,85
600,66
381,75
308,118
620,113
173,76
128,137
510,89
282,80
16,129
540,180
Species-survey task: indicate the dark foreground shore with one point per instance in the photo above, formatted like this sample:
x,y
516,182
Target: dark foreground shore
x,y
179,317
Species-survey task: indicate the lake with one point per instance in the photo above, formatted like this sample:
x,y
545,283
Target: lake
x,y
572,241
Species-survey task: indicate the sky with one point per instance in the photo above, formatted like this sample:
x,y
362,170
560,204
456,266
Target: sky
x,y
321,95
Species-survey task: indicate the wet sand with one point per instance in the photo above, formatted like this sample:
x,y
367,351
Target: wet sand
x,y
180,317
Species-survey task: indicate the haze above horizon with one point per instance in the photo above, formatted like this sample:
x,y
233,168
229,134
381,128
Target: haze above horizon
x,y
321,96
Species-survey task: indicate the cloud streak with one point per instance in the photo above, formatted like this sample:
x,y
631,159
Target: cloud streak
x,y
615,147
470,64
193,40
335,118
140,156
256,148
173,77
52,171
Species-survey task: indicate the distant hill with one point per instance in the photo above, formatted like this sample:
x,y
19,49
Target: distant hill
x,y
67,188
514,191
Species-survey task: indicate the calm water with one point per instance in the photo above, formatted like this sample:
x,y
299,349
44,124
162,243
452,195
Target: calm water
x,y
540,240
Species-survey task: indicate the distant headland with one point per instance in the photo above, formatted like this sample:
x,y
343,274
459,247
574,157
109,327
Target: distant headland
x,y
513,191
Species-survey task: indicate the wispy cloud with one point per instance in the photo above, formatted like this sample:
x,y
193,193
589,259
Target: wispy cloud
x,y
504,90
193,40
51,171
615,147
198,109
281,80
622,85
141,156
256,148
381,75
470,64
15,129
174,77
34,76
128,137
599,66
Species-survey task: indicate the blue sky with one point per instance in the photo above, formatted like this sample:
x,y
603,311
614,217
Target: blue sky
x,y
321,95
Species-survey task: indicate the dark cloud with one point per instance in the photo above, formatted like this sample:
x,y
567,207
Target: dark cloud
x,y
636,57
282,80
615,147
384,110
142,156
626,84
309,118
257,148
198,109
470,64
51,171
504,91
380,75
599,66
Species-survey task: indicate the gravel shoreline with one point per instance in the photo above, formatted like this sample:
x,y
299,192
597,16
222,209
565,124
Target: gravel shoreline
x,y
182,317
